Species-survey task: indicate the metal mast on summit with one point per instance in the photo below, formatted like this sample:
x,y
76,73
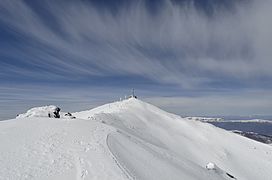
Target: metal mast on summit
x,y
132,94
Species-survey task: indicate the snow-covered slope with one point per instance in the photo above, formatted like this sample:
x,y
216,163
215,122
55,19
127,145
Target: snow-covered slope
x,y
128,140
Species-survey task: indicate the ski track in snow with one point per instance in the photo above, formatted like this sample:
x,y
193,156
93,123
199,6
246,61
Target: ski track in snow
x,y
121,166
96,147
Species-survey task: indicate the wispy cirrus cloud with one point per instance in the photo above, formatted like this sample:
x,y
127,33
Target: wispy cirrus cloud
x,y
177,44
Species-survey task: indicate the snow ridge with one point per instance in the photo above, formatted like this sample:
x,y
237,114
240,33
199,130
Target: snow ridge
x,y
129,139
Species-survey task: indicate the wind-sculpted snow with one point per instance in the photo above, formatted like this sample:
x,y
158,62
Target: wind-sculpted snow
x,y
46,111
127,140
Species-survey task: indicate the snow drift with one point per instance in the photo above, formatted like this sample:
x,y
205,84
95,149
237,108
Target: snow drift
x,y
128,140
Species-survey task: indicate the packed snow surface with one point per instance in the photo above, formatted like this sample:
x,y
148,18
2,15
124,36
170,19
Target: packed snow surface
x,y
128,140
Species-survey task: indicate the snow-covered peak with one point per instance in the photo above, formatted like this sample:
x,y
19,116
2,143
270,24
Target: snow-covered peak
x,y
126,105
147,134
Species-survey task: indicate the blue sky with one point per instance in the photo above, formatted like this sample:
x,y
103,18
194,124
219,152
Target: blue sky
x,y
188,57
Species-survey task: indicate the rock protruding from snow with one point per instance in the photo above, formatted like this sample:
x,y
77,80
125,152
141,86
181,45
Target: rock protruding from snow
x,y
67,115
44,111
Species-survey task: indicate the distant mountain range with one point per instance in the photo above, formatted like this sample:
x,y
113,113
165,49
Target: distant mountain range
x,y
258,119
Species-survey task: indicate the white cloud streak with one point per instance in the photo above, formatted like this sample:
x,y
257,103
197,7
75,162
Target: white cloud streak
x,y
177,45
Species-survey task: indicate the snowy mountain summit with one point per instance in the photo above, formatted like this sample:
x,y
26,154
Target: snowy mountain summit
x,y
129,139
